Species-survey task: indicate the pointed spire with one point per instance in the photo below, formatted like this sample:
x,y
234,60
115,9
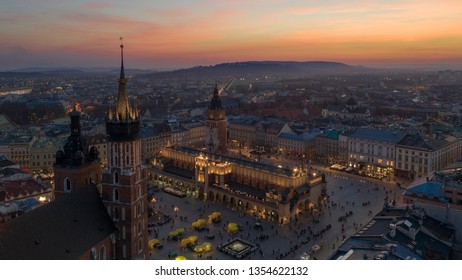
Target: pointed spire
x,y
215,104
123,107
122,71
215,91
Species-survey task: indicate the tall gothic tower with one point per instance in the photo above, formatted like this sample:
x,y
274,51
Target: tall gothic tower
x,y
216,139
124,186
76,166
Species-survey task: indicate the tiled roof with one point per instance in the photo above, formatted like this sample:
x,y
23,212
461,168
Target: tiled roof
x,y
65,228
238,161
246,189
429,189
378,135
189,174
23,188
414,141
6,163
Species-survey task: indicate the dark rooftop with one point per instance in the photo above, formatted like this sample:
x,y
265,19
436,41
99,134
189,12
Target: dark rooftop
x,y
378,135
245,189
65,228
239,161
6,163
185,173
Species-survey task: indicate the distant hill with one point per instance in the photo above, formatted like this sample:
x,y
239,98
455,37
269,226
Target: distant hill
x,y
281,69
276,69
78,70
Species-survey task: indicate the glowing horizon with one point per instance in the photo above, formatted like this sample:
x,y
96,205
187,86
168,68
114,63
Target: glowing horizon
x,y
187,33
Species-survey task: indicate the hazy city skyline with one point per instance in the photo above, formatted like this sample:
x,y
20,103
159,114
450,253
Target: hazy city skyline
x,y
188,33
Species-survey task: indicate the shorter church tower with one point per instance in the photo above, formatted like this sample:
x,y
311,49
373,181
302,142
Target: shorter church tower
x,y
76,166
217,138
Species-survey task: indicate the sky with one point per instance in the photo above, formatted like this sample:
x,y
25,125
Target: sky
x,y
165,34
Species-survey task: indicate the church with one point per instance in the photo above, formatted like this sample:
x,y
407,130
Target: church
x,y
96,214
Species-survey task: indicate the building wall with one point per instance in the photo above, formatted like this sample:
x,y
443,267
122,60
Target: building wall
x,y
42,158
20,153
447,154
124,193
151,146
413,163
196,136
371,154
217,131
5,150
244,134
327,149
180,138
104,250
80,177
343,148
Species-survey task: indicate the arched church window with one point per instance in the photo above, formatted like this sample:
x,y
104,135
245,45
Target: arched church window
x,y
116,195
140,245
116,214
116,177
67,185
102,253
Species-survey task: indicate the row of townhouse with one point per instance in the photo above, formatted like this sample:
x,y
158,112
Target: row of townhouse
x,y
276,137
160,135
385,152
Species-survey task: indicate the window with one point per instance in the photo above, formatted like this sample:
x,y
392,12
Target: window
x,y
93,253
116,215
117,233
67,185
115,195
102,253
116,177
140,245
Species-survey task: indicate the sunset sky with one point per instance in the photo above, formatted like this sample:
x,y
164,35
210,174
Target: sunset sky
x,y
183,33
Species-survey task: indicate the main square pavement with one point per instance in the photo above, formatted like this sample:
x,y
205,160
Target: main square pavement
x,y
352,203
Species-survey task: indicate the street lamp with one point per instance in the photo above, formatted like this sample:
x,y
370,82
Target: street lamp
x,y
176,209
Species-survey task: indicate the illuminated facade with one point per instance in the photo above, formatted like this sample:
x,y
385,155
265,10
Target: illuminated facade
x,y
373,150
274,193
